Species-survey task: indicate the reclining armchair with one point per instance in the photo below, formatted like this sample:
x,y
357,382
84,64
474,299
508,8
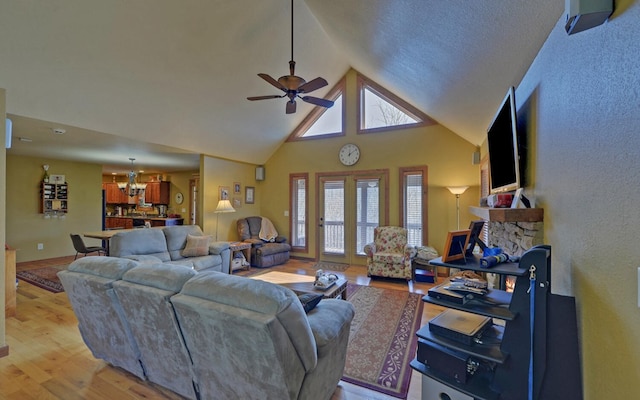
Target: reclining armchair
x,y
389,255
270,250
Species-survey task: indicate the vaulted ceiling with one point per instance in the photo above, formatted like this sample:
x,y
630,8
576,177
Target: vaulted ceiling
x,y
165,80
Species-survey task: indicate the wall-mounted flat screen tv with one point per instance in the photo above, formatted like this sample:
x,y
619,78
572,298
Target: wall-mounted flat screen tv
x,y
502,139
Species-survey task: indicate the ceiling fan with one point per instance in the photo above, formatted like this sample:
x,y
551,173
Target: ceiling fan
x,y
293,86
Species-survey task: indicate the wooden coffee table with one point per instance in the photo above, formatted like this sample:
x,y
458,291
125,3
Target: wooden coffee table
x,y
304,284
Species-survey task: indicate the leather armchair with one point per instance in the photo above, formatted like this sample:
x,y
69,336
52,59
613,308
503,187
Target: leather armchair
x,y
263,253
389,255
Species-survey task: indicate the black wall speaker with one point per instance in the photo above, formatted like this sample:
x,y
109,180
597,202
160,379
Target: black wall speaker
x,y
260,173
586,14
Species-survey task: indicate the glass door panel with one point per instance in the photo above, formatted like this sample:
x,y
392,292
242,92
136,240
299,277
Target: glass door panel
x,y
332,220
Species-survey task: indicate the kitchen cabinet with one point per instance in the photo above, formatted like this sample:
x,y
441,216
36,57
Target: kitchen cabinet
x,y
113,194
53,198
157,193
118,223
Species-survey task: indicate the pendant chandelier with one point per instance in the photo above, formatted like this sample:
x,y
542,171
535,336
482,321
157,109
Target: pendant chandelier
x,y
131,187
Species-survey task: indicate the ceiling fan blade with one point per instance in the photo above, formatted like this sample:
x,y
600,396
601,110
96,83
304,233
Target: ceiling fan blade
x,y
312,85
265,97
317,101
291,107
273,82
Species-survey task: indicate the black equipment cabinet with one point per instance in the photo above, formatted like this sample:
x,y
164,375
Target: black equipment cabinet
x,y
556,359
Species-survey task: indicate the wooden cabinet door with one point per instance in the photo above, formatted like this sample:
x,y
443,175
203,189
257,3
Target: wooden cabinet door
x,y
157,193
164,195
113,193
152,193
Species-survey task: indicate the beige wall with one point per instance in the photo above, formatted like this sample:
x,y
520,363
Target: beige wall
x,y
26,227
582,97
448,157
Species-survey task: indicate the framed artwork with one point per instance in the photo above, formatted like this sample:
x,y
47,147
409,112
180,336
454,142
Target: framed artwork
x,y
236,187
223,193
237,202
249,193
456,244
474,237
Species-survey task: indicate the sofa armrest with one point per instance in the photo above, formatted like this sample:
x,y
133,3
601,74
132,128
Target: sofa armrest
x,y
328,319
281,239
218,247
255,242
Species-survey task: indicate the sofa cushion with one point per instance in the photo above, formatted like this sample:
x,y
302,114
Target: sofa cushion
x,y
262,297
161,276
273,248
176,238
149,242
196,246
211,262
255,223
106,267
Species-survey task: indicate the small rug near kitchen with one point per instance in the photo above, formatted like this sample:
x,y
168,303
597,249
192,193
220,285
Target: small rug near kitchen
x,y
383,339
44,278
328,266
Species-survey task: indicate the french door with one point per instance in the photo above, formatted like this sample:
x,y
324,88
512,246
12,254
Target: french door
x,y
349,207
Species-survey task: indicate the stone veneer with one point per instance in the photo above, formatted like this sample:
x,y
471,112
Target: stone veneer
x,y
515,238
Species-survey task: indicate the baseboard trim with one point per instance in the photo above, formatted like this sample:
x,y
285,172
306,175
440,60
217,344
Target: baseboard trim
x,y
4,351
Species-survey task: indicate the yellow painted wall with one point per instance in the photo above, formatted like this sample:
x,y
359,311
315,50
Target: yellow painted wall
x,y
216,172
448,157
26,227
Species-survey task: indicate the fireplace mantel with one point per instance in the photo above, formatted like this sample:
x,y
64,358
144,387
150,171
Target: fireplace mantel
x,y
508,214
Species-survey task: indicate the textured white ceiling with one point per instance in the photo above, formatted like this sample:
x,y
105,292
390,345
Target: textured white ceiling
x,y
177,74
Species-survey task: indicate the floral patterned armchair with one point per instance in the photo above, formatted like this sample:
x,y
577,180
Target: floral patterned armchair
x,y
389,255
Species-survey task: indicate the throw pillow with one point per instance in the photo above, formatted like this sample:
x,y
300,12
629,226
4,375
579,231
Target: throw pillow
x,y
196,246
309,301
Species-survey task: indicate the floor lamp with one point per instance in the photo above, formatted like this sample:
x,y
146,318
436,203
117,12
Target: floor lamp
x,y
457,190
224,206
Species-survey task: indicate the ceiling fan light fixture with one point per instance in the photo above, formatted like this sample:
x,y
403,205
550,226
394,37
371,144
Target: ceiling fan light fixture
x,y
293,85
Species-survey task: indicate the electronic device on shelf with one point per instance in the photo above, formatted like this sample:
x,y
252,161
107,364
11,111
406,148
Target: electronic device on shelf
x,y
460,326
441,293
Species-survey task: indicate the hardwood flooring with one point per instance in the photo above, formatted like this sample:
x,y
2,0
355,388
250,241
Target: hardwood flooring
x,y
48,359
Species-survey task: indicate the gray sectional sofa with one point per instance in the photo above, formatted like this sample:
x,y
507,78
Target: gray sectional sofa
x,y
208,335
167,245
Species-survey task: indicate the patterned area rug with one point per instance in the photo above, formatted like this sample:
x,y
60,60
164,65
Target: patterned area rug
x,y
383,339
327,266
44,278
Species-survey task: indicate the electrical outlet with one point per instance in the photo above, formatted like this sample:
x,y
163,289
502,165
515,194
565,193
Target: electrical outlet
x,y
286,213
184,210
40,246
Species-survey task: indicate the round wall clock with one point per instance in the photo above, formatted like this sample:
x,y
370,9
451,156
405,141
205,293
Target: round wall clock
x,y
179,198
349,154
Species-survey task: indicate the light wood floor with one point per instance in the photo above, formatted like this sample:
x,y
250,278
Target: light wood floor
x,y
48,359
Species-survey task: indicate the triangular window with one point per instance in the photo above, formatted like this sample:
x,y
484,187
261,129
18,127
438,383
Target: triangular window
x,y
323,122
382,110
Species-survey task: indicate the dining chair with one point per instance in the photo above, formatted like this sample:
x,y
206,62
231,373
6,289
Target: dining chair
x,y
80,247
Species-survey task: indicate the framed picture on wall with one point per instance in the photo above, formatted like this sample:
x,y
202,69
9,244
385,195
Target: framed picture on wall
x,y
249,193
456,244
237,202
223,193
236,187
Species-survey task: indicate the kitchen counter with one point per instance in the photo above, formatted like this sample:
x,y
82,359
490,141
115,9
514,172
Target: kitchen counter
x,y
127,222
